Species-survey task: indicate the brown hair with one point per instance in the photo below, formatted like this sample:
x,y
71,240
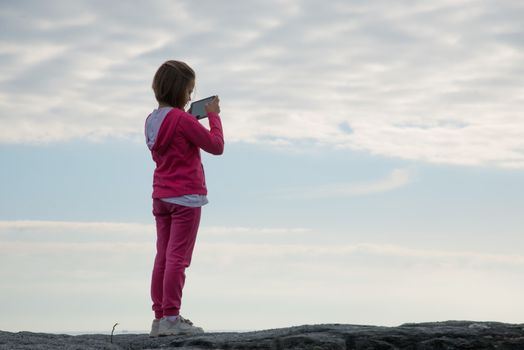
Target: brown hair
x,y
171,82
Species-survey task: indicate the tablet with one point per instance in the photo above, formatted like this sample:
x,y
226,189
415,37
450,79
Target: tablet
x,y
198,108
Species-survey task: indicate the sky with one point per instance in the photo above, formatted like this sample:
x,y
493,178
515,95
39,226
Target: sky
x,y
372,173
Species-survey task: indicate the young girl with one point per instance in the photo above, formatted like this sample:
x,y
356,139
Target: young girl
x,y
179,188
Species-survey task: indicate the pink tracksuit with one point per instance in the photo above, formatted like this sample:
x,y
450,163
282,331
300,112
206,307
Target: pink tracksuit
x,y
175,139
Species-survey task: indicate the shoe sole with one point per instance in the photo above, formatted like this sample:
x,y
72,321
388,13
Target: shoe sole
x,y
178,333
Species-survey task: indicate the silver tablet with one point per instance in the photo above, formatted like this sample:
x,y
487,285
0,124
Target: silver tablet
x,y
198,108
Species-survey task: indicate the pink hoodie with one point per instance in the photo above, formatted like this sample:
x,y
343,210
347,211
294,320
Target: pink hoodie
x,y
175,139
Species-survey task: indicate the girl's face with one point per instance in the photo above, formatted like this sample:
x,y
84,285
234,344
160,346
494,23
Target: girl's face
x,y
189,91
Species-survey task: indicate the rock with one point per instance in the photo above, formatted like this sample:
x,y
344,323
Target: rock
x,y
415,336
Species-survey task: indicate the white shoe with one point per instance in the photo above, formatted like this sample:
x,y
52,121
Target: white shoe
x,y
180,326
154,328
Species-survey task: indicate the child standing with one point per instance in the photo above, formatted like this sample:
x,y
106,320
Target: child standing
x,y
175,138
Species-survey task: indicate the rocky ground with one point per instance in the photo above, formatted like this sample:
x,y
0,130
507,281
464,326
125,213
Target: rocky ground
x,y
416,336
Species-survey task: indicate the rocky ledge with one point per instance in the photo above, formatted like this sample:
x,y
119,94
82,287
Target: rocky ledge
x,y
419,336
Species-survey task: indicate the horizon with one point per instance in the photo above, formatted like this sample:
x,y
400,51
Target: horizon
x,y
372,172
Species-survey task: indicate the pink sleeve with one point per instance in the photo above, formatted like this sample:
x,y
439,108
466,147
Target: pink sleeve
x,y
211,141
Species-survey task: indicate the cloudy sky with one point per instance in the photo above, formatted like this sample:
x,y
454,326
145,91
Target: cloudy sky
x,y
373,170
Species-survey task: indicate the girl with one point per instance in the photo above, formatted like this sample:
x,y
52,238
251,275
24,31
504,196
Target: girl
x,y
179,188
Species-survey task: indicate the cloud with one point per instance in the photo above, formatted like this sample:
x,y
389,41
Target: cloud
x,y
253,231
68,226
47,237
74,231
89,247
396,179
341,256
111,269
411,81
78,234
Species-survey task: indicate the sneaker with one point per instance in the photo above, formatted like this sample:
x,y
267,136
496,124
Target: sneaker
x,y
154,328
179,327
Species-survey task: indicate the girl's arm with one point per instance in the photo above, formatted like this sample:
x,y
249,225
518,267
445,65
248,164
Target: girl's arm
x,y
211,141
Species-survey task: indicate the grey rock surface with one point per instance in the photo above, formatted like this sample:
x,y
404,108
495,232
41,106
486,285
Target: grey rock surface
x,y
415,336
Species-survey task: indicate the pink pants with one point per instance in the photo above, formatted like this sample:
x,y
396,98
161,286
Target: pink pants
x,y
176,227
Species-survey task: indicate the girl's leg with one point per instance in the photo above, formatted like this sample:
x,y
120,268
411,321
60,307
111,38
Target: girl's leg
x,y
162,213
184,227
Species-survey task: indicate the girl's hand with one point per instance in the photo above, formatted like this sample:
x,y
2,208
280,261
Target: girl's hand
x,y
213,106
